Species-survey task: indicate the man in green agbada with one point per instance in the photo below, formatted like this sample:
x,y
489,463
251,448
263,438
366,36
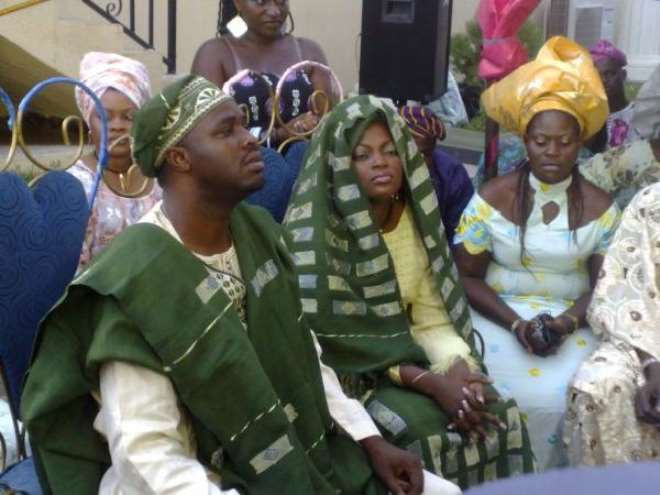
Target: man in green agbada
x,y
180,362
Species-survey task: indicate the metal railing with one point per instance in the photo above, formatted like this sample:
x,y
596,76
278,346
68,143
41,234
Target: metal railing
x,y
114,9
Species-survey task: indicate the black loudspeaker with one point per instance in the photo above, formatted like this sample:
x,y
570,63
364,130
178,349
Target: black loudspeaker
x,y
405,48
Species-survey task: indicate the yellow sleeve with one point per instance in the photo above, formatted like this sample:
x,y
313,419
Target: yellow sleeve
x,y
433,331
472,230
431,327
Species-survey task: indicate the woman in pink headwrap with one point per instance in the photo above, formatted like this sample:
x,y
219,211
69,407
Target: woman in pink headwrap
x,y
122,85
610,62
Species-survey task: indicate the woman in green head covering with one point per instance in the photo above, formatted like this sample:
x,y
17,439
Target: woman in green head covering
x,y
381,291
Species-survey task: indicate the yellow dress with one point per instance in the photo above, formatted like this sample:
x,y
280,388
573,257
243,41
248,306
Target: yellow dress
x,y
430,325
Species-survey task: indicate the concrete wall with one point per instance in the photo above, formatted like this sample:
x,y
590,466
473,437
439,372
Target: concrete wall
x,y
197,22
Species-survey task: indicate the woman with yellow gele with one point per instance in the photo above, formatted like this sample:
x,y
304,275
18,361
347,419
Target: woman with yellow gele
x,y
530,244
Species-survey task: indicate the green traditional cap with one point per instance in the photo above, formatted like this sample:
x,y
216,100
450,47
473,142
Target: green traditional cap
x,y
165,119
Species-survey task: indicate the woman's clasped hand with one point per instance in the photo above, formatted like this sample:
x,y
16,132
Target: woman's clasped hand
x,y
461,393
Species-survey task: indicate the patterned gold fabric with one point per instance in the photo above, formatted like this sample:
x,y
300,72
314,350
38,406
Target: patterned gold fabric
x,y
562,77
623,171
601,426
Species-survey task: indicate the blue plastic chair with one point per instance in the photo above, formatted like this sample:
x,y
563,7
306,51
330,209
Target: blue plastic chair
x,y
41,235
294,156
280,173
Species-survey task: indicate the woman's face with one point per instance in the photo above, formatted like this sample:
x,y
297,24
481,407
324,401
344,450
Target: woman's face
x,y
553,143
613,77
119,110
264,17
377,164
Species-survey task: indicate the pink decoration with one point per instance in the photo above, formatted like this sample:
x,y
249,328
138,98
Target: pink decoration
x,y
502,52
618,132
603,49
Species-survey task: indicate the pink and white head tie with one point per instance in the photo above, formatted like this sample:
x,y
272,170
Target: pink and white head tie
x,y
101,71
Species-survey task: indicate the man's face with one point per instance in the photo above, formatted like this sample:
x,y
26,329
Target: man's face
x,y
613,77
224,156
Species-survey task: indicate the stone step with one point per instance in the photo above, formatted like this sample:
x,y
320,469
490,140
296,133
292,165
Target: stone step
x,y
54,156
70,30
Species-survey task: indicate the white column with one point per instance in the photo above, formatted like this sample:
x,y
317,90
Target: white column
x,y
638,35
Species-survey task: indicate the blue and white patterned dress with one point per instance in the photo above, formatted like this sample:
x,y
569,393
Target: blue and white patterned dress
x,y
551,276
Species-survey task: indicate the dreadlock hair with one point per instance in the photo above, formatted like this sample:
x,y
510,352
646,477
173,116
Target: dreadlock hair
x,y
523,204
226,12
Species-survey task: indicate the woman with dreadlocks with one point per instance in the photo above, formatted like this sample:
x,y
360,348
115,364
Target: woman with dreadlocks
x,y
251,65
530,244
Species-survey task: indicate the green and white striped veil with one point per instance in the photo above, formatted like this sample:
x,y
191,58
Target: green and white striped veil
x,y
348,286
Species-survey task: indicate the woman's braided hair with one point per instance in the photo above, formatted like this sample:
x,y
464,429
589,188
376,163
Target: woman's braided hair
x,y
226,12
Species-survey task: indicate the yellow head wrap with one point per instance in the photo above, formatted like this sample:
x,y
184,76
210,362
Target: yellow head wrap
x,y
562,77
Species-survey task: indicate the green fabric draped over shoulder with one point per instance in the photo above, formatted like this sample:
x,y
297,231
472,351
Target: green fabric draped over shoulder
x,y
346,275
261,424
351,296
